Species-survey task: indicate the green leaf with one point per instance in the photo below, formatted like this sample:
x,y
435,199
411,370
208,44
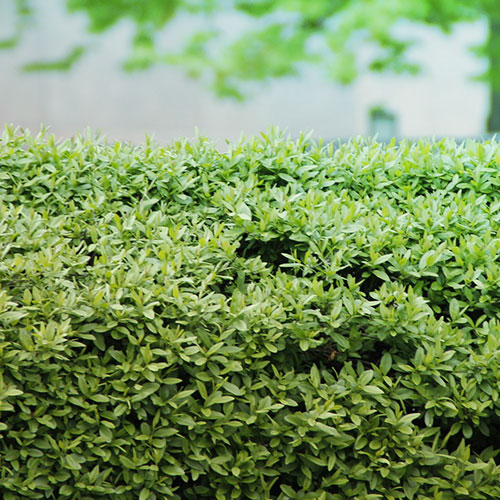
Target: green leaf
x,y
428,259
315,376
73,461
171,381
94,474
66,490
386,363
127,463
365,377
10,391
288,490
326,429
233,389
186,420
382,259
120,410
380,273
145,391
219,399
148,313
165,432
144,494
99,398
372,389
47,420
173,470
244,212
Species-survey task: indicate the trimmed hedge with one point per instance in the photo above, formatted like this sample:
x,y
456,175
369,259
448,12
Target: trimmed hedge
x,y
279,321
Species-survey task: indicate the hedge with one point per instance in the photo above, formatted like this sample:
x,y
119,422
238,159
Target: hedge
x,y
282,320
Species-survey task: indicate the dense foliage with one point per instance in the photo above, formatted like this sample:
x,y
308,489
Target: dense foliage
x,y
278,321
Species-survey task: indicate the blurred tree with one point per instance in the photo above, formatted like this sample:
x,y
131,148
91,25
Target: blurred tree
x,y
287,34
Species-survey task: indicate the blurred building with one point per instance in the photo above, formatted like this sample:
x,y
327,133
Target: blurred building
x,y
442,101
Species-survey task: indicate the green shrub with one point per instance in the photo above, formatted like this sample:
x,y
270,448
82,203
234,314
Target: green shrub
x,y
279,321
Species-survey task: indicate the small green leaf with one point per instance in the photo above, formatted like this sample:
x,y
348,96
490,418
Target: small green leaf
x,y
386,363
66,490
372,389
127,463
73,461
144,494
233,389
173,470
288,490
145,391
171,381
365,377
244,212
315,376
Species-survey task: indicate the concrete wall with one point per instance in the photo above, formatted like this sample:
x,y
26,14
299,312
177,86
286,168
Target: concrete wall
x,y
163,101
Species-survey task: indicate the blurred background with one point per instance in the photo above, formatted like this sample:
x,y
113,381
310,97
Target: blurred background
x,y
404,68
